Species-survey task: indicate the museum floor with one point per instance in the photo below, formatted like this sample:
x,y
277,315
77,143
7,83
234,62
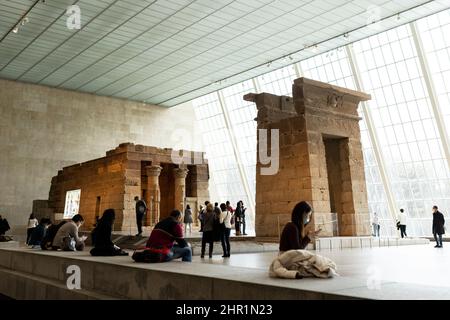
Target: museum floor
x,y
404,272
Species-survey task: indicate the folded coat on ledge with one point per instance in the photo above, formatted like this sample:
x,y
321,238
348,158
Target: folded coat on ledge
x,y
303,262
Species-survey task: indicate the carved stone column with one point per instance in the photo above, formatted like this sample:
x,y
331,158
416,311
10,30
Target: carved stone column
x,y
153,194
180,175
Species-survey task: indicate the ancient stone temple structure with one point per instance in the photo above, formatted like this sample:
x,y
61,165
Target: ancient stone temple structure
x,y
128,171
320,159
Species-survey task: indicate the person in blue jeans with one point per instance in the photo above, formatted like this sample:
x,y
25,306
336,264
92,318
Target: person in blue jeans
x,y
167,239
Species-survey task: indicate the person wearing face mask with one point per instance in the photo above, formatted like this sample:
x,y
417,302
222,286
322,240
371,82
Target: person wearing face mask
x,y
294,235
438,226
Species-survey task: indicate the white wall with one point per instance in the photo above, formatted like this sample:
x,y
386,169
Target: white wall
x,y
43,129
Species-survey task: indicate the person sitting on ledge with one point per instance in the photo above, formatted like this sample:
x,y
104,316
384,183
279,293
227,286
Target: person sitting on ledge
x,y
101,236
39,232
165,234
4,226
67,237
293,236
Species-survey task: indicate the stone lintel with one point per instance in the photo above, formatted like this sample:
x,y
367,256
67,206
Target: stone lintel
x,y
359,96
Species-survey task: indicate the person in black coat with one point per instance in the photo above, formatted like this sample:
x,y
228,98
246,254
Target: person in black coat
x,y
438,226
4,226
39,232
101,236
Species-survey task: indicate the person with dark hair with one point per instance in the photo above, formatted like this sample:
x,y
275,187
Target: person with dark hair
x,y
4,226
141,209
201,215
238,217
32,223
188,219
163,237
39,232
294,236
438,226
101,236
243,209
401,224
208,230
67,237
229,207
225,221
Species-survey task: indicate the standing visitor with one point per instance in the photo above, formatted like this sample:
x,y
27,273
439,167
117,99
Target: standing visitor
x,y
225,219
401,224
188,219
141,208
376,225
32,223
438,226
208,230
237,217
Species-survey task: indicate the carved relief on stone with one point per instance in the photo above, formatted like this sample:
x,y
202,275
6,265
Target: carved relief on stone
x,y
335,101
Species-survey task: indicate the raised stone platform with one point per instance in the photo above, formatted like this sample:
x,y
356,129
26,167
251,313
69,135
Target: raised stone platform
x,y
403,272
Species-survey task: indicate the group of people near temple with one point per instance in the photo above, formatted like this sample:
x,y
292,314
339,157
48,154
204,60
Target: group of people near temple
x,y
166,241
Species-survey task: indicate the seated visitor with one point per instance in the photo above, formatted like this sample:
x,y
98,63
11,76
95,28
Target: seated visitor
x,y
39,232
47,241
101,236
67,237
293,236
164,235
4,226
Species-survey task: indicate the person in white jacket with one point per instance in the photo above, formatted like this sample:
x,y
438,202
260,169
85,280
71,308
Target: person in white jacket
x,y
225,219
401,224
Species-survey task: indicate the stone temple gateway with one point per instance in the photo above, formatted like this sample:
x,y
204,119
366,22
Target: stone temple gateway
x,y
128,171
320,159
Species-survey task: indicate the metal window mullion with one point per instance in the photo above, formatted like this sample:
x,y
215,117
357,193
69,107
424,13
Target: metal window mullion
x,y
438,115
373,136
237,156
298,70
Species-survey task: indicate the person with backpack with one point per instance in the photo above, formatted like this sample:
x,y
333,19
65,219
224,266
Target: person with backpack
x,y
401,224
225,221
67,238
101,236
166,242
32,223
38,234
141,208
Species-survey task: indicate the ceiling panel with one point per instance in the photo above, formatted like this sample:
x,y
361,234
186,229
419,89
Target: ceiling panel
x,y
168,52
